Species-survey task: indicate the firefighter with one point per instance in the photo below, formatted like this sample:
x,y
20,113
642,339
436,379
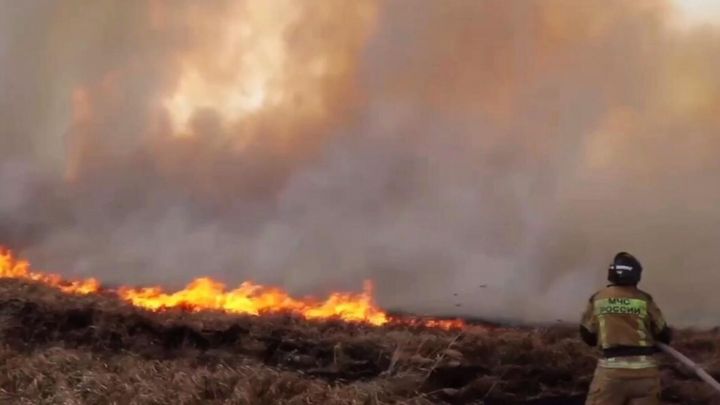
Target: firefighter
x,y
624,323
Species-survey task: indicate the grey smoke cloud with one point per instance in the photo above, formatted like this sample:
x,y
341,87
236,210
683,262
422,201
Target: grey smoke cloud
x,y
490,154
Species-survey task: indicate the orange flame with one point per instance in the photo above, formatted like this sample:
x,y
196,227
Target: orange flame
x,y
204,294
20,269
252,299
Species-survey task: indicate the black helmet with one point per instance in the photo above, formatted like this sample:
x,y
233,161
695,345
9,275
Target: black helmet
x,y
625,270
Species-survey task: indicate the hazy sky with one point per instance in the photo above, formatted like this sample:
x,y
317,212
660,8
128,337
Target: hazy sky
x,y
699,11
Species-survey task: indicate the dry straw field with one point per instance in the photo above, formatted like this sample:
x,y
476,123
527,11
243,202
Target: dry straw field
x,y
64,349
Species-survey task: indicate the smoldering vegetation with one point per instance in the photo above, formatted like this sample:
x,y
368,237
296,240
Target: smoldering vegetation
x,y
57,348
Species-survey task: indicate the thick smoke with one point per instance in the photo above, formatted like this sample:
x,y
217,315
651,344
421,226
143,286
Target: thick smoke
x,y
485,158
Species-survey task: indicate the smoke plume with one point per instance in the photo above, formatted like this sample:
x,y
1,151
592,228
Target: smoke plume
x,y
483,158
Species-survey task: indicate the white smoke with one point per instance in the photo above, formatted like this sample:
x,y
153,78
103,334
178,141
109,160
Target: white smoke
x,y
482,158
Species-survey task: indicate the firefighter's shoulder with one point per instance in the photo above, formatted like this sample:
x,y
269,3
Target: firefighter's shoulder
x,y
645,295
605,292
595,295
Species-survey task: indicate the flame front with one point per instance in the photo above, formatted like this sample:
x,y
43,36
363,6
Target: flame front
x,y
206,294
252,299
20,269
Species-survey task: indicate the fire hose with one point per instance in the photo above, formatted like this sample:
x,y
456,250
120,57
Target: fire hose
x,y
699,371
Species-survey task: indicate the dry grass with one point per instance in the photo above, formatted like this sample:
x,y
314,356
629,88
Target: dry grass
x,y
58,349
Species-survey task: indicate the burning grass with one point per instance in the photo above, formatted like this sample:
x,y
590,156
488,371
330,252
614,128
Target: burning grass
x,y
68,349
206,294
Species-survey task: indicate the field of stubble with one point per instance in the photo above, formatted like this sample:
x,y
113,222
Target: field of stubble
x,y
59,349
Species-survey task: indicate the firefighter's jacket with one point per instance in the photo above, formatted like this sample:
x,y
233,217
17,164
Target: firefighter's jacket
x,y
625,323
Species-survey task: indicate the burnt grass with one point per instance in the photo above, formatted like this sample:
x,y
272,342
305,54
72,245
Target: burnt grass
x,y
62,349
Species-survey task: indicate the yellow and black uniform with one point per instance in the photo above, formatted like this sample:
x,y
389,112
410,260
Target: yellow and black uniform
x,y
624,322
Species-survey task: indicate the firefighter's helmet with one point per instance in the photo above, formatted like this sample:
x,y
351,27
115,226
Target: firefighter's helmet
x,y
625,269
